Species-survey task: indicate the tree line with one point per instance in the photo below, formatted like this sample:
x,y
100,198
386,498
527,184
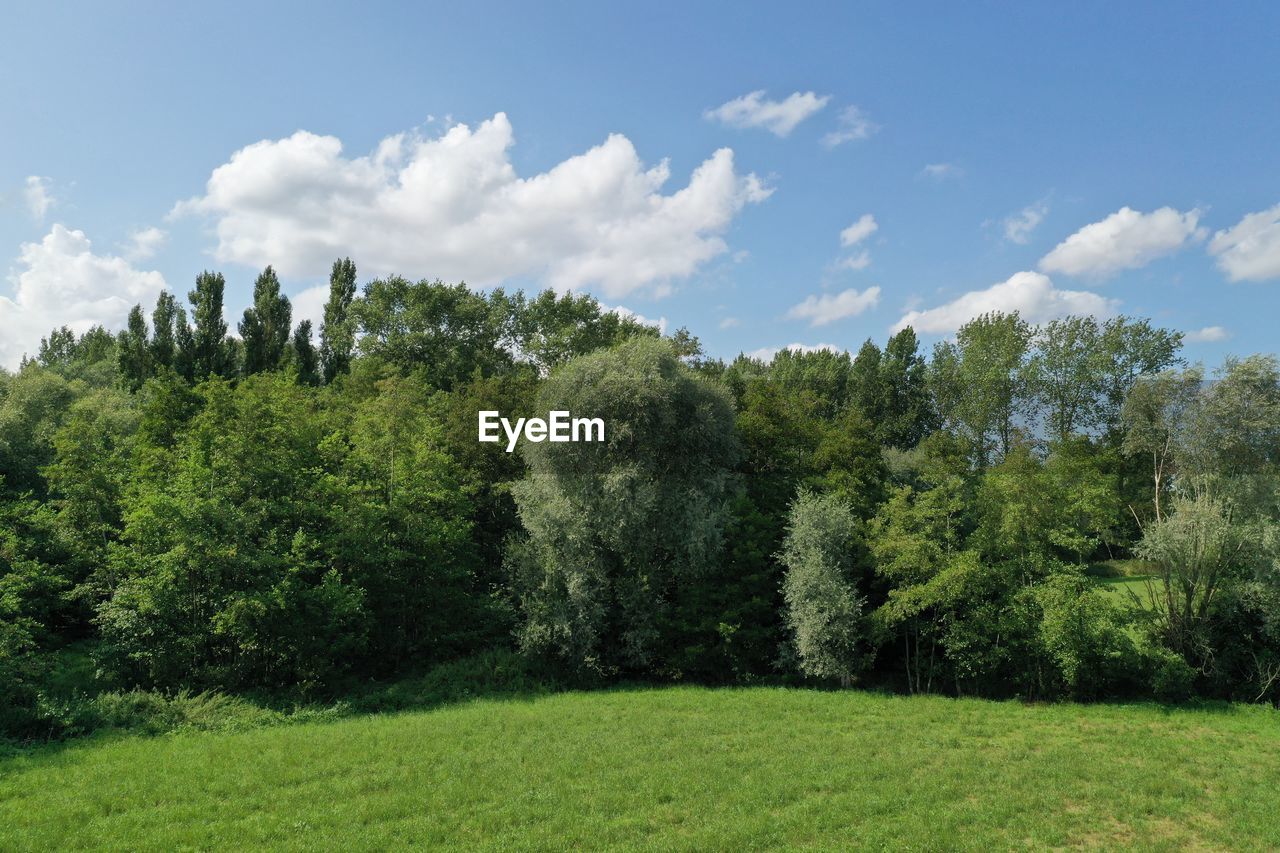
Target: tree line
x,y
263,513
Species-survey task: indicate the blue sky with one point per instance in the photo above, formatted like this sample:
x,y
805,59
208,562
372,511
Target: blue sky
x,y
1091,157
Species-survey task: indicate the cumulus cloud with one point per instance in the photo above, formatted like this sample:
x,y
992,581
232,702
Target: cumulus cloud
x,y
853,125
1250,250
777,117
453,207
830,307
767,353
1031,294
940,171
859,231
729,322
1127,239
144,243
37,196
1018,228
61,282
1209,334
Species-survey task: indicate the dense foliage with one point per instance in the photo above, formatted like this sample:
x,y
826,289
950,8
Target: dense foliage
x,y
261,513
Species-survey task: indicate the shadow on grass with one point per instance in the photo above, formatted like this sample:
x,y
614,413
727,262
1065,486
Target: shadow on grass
x,y
500,674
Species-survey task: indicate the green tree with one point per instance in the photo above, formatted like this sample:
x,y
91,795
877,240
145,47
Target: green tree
x,y
908,415
265,327
134,351
866,382
209,352
337,330
616,528
1154,414
303,355
822,373
165,320
446,332
550,329
981,381
824,609
1067,375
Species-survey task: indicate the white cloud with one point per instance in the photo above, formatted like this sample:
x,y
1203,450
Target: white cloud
x,y
859,231
941,171
1018,228
61,282
729,322
777,117
1208,334
1250,250
767,353
453,207
828,308
309,305
860,261
144,243
1127,239
38,197
854,125
1031,294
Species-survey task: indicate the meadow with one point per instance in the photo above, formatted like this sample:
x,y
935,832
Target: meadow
x,y
671,768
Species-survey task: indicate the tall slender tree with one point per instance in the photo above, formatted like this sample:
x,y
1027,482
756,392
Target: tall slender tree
x,y
265,327
337,332
164,330
133,350
210,355
304,355
908,411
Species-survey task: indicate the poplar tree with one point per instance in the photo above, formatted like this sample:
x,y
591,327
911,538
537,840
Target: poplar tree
x,y
265,327
133,350
304,355
337,333
209,353
164,322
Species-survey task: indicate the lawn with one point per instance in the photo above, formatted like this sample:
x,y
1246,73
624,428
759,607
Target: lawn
x,y
671,768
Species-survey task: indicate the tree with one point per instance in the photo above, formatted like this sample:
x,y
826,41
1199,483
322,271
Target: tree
x,y
265,327
908,414
866,384
981,381
824,609
446,332
223,579
134,350
210,354
87,478
822,373
165,321
616,528
1153,416
303,355
1132,349
337,330
1203,548
550,329
1067,375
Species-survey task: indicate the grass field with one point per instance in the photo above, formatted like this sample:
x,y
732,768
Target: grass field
x,y
671,768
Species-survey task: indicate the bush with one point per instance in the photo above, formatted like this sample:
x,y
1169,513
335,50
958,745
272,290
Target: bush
x,y
1172,679
1084,634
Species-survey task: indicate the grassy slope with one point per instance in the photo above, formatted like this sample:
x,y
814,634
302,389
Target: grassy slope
x,y
672,768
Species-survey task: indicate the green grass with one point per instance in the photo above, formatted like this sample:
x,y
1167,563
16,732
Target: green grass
x,y
1126,588
670,769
